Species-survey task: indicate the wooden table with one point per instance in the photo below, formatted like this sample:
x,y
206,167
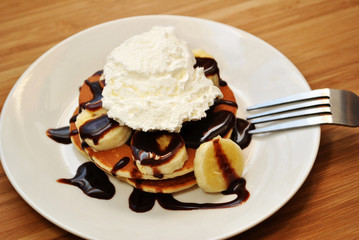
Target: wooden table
x,y
321,37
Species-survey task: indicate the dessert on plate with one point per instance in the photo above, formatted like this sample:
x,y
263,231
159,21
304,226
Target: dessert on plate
x,y
160,118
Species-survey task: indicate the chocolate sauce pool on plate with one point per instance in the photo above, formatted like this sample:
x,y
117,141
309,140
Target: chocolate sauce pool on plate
x,y
60,135
141,201
92,181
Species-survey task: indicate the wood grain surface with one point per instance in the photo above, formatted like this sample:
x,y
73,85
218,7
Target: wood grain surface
x,y
321,37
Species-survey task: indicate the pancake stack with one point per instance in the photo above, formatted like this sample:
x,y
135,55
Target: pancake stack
x,y
159,161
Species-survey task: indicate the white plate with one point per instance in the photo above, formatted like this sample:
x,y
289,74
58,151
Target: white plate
x,y
46,94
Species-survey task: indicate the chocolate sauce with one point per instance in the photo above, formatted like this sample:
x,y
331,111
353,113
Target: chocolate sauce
x,y
227,102
92,181
209,64
148,149
228,173
74,132
95,183
95,128
141,201
73,118
120,164
60,135
210,68
96,90
157,173
222,83
215,123
98,73
84,145
93,106
240,133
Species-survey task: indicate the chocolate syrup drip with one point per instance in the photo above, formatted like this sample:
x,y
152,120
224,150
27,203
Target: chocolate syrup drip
x,y
216,123
209,64
74,132
120,164
227,102
96,90
60,135
141,201
84,145
146,148
210,68
98,73
228,173
136,174
95,183
73,118
92,181
92,106
222,83
96,128
157,173
240,133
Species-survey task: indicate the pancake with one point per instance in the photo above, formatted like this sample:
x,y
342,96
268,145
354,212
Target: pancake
x,y
166,186
119,161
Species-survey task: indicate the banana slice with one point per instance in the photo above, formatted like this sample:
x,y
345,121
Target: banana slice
x,y
217,164
198,52
100,132
158,153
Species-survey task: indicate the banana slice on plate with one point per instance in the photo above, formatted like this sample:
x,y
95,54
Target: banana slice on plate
x,y
217,164
99,131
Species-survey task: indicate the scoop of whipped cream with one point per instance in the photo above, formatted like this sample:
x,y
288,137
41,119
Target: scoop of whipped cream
x,y
151,83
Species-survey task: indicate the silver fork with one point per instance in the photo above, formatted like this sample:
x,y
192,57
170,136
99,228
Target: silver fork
x,y
322,106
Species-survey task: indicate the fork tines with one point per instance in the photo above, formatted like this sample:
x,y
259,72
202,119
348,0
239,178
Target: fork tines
x,y
316,102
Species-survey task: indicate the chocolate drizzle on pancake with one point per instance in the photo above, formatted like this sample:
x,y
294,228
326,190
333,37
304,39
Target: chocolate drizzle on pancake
x,y
74,132
92,181
120,164
149,150
73,118
96,90
227,102
94,106
95,128
240,133
220,123
98,73
222,83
